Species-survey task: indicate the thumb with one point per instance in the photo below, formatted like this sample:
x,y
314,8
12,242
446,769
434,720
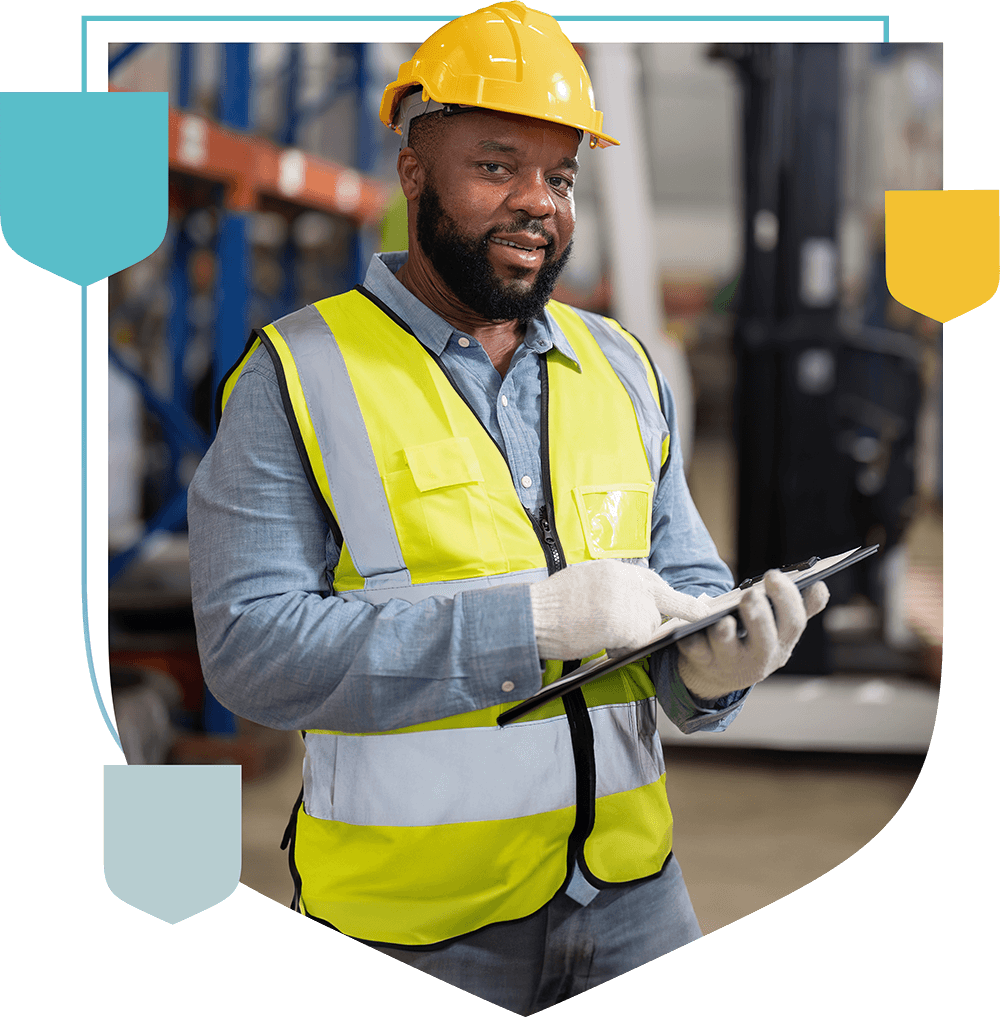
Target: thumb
x,y
815,598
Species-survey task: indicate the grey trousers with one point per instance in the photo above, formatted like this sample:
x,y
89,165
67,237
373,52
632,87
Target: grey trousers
x,y
565,948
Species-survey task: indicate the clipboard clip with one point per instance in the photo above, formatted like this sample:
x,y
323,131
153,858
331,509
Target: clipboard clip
x,y
799,566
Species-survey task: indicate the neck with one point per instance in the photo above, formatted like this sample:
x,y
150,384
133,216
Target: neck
x,y
499,338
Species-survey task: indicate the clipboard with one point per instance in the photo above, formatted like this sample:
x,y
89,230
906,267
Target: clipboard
x,y
675,629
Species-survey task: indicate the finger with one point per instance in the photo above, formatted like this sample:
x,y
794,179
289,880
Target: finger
x,y
815,598
696,649
758,620
648,619
722,638
672,603
789,611
617,651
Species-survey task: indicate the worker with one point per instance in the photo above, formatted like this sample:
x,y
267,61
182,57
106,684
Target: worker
x,y
435,493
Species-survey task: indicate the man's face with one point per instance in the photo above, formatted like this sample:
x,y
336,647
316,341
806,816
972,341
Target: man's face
x,y
496,214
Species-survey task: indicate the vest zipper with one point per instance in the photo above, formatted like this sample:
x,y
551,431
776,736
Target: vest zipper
x,y
555,558
550,545
580,728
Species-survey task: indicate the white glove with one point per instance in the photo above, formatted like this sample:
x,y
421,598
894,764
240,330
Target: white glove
x,y
603,603
715,662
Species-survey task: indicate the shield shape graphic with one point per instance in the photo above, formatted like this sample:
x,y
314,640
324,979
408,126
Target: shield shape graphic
x,y
172,837
83,179
942,250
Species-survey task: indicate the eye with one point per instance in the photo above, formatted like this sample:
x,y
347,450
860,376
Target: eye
x,y
562,184
492,167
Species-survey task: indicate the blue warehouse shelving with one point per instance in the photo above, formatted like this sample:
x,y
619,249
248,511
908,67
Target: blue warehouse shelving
x,y
247,205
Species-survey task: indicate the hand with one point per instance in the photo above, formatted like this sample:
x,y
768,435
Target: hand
x,y
715,662
604,603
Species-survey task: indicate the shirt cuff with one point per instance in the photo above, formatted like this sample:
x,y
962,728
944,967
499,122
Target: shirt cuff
x,y
686,711
499,632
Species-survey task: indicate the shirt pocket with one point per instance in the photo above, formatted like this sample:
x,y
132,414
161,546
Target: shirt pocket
x,y
616,518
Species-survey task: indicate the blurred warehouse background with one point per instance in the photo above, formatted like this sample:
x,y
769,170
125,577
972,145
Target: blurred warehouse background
x,y
738,232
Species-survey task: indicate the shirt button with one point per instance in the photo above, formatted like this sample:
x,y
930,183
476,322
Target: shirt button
x,y
526,481
463,342
503,400
507,687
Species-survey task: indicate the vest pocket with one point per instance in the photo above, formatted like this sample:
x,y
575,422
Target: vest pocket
x,y
616,519
440,508
443,463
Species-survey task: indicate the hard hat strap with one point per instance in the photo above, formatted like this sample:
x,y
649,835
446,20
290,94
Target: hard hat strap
x,y
414,105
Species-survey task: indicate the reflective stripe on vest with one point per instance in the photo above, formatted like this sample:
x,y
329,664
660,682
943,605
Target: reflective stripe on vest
x,y
426,833
426,778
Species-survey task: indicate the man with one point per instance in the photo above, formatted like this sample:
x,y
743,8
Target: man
x,y
428,495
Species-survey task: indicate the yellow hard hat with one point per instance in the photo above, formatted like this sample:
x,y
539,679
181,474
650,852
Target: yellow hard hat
x,y
505,57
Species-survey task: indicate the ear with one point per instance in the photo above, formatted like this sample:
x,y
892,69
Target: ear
x,y
411,173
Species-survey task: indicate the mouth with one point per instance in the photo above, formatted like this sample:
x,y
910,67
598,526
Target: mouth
x,y
541,246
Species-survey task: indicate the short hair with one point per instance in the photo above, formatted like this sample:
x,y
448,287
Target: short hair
x,y
426,133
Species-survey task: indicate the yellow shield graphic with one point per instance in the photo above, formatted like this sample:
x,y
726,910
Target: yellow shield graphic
x,y
942,250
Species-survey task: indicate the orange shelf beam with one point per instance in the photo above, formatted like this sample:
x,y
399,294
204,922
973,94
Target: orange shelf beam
x,y
251,167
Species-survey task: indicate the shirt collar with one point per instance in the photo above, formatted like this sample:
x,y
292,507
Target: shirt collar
x,y
430,328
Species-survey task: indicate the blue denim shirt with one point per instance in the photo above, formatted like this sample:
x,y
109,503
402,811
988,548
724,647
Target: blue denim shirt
x,y
277,649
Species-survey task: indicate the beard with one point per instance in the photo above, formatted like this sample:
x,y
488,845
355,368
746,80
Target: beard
x,y
462,261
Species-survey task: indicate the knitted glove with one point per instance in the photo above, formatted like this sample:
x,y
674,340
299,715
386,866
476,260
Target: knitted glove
x,y
603,603
715,662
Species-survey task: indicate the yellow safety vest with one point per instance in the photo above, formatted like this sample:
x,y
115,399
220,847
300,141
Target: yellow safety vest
x,y
417,835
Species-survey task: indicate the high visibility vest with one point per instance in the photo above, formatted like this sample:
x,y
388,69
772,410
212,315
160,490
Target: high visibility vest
x,y
417,835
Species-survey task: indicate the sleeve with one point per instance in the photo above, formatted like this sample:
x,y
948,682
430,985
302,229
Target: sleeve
x,y
684,554
278,648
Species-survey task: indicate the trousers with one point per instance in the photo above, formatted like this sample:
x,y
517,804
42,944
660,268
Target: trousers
x,y
565,947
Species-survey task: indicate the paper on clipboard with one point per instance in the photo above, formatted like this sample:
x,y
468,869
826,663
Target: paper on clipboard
x,y
674,629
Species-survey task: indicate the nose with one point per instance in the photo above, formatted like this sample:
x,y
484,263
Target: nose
x,y
532,195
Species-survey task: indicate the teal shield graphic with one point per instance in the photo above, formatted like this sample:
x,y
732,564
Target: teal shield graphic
x,y
83,179
172,842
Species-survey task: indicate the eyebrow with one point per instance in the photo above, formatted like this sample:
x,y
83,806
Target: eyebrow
x,y
496,146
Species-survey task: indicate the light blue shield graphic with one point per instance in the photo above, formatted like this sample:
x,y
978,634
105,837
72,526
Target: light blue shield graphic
x,y
83,179
172,842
